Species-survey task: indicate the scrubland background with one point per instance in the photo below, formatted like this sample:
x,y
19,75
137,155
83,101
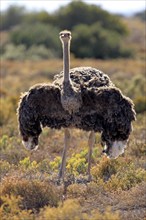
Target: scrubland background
x,y
31,53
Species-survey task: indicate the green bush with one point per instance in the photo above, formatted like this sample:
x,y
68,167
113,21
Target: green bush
x,y
36,34
40,53
35,52
78,12
96,41
12,52
14,15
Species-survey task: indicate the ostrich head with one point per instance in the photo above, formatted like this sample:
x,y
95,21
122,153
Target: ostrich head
x,y
30,143
65,36
113,148
115,137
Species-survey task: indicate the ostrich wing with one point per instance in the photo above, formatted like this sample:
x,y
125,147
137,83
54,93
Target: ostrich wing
x,y
45,99
106,107
41,106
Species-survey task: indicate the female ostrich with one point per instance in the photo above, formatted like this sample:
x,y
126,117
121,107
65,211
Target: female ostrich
x,y
83,98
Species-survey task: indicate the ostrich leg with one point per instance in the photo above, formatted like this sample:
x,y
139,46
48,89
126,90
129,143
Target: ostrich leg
x,y
91,142
66,144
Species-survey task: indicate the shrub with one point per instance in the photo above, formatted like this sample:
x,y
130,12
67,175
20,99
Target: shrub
x,y
76,190
118,174
8,108
100,42
36,34
27,164
140,104
4,141
138,148
54,165
78,12
13,16
40,53
126,179
11,149
76,164
12,52
5,167
35,193
44,166
20,52
107,215
105,169
136,90
71,209
11,209
6,111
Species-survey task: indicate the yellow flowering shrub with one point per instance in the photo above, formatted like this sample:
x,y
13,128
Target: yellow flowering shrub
x,y
11,209
72,210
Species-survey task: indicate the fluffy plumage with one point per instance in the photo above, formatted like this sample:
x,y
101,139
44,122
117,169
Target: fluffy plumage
x,y
104,109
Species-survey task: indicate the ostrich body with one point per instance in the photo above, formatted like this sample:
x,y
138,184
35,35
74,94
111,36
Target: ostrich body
x,y
83,98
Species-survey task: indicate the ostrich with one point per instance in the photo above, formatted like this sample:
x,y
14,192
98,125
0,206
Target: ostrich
x,y
83,98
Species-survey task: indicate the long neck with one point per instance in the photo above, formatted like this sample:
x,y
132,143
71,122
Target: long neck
x,y
66,61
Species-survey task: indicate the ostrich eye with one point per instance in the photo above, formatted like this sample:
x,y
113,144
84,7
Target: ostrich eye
x,y
66,35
